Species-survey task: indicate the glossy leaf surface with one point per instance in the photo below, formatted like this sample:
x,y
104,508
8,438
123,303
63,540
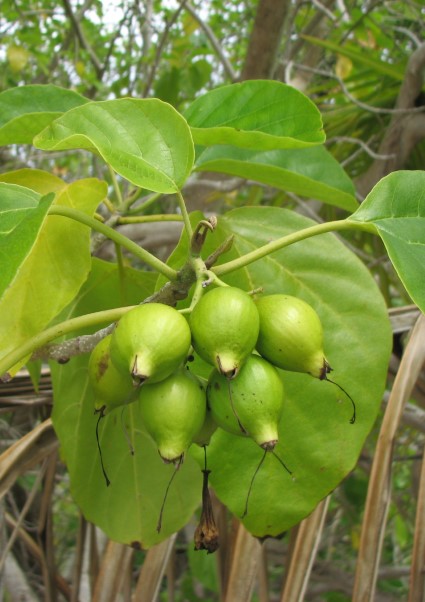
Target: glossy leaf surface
x,y
145,140
22,214
256,114
37,180
26,110
396,208
49,260
309,172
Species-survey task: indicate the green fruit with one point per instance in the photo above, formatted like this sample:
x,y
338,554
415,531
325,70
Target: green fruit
x,y
173,412
111,387
291,335
150,342
224,325
203,436
253,400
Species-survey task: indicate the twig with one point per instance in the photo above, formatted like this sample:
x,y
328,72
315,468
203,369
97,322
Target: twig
x,y
214,42
80,35
364,146
160,47
325,10
409,34
353,99
62,352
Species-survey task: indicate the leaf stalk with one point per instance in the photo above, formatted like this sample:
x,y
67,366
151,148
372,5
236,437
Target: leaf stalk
x,y
116,237
289,239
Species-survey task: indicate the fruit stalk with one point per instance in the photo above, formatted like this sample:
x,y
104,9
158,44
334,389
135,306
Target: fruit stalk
x,y
206,533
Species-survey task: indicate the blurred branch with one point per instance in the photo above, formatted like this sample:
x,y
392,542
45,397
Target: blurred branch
x,y
364,146
112,44
347,93
214,42
409,34
160,47
324,9
406,127
81,37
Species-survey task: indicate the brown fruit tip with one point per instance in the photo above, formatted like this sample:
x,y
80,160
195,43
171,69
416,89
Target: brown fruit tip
x,y
269,445
138,379
6,377
229,373
326,368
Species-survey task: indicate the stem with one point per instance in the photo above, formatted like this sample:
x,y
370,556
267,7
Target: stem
x,y
187,224
121,273
142,208
117,237
58,330
115,185
110,206
287,240
141,219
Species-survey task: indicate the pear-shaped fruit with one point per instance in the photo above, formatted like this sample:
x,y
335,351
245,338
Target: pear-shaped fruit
x,y
203,436
253,401
173,412
224,325
291,335
150,342
112,388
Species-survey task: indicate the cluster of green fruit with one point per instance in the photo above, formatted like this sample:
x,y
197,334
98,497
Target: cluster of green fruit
x,y
145,359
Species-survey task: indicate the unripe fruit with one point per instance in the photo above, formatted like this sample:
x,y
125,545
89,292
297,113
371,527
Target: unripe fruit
x,y
111,387
224,325
203,436
150,342
173,412
291,335
252,400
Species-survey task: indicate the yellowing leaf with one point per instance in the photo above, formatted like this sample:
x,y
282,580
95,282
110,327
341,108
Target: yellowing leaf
x,y
17,57
343,66
44,279
80,68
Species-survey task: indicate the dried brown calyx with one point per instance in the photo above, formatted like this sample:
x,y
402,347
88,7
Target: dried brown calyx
x,y
206,533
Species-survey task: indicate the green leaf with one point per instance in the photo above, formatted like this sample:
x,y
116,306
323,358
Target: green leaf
x,y
396,208
26,110
54,261
317,442
128,509
256,114
309,172
38,180
22,214
107,288
145,140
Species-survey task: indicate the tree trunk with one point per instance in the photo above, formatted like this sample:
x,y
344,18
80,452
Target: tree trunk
x,y
265,39
405,130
